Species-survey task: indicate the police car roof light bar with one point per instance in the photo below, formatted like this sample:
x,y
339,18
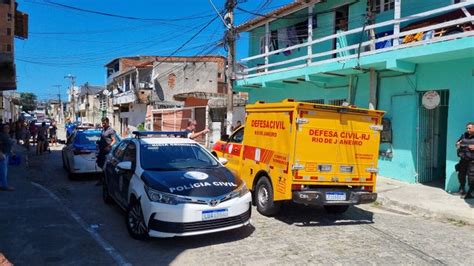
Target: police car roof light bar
x,y
139,134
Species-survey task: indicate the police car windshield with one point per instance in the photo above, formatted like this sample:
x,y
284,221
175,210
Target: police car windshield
x,y
173,157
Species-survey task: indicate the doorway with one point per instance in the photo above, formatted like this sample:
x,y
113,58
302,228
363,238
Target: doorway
x,y
341,23
432,138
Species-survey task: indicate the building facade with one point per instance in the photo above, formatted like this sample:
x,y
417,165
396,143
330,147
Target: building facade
x,y
13,23
412,59
141,84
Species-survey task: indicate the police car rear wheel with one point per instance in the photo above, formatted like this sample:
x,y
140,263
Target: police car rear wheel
x,y
105,194
264,198
135,221
336,209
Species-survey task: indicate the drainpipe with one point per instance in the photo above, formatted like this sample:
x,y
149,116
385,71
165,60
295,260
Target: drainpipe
x,y
372,89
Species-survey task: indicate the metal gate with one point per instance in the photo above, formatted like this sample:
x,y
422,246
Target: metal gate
x,y
431,139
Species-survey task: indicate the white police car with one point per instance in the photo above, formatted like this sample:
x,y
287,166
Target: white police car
x,y
172,186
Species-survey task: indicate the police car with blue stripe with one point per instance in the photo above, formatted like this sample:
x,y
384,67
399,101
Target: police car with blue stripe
x,y
172,186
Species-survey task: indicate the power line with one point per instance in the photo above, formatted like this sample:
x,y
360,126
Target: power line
x,y
78,9
189,40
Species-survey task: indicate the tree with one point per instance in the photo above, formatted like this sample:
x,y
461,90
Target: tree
x,y
28,101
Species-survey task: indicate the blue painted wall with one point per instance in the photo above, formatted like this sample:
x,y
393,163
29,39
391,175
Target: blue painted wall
x,y
399,97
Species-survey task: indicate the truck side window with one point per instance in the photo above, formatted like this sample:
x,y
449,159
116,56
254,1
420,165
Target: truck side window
x,y
238,136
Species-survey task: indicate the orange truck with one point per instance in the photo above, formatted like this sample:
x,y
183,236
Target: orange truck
x,y
307,153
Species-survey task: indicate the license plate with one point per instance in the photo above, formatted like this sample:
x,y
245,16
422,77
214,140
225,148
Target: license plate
x,y
335,196
214,214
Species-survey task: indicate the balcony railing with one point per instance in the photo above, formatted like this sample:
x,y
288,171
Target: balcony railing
x,y
124,98
410,37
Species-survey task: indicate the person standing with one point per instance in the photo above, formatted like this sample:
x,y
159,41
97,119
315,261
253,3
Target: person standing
x,y
6,145
53,134
41,138
33,131
465,167
105,143
192,127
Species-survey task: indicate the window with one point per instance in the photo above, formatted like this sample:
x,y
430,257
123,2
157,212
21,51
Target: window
x,y
238,137
8,47
219,75
384,5
9,31
119,151
8,2
337,102
9,17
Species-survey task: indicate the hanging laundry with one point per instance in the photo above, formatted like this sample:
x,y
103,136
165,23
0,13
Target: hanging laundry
x,y
283,40
292,35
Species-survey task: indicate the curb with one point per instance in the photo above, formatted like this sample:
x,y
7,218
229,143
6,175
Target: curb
x,y
386,201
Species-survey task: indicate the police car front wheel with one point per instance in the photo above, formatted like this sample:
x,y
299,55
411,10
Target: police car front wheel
x,y
135,221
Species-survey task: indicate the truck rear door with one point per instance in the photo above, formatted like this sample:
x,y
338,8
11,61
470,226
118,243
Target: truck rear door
x,y
337,146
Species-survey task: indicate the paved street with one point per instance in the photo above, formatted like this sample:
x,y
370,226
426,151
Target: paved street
x,y
57,221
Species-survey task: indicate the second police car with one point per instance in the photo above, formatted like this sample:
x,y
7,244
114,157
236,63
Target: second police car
x,y
172,186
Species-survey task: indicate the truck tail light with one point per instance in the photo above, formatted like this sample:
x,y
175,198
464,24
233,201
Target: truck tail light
x,y
324,168
297,187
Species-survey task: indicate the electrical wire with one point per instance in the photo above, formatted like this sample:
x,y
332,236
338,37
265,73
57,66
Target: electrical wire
x,y
78,9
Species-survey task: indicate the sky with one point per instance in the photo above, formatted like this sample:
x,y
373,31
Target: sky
x,y
64,40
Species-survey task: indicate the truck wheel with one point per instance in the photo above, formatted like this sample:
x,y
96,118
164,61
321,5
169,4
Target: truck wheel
x,y
336,209
264,198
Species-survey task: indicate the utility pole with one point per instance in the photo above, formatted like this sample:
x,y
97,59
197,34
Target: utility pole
x,y
230,42
72,80
60,113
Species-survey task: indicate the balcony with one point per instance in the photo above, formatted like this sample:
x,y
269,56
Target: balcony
x,y
430,35
112,76
124,98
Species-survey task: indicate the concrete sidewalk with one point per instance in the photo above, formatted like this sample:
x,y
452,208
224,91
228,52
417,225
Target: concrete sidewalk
x,y
425,200
36,228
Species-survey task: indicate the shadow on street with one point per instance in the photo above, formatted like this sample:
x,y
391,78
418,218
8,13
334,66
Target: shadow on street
x,y
301,215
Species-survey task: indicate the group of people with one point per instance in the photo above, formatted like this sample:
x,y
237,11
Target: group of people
x,y
23,133
27,132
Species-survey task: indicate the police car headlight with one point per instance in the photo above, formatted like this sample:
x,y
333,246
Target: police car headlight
x,y
165,198
239,192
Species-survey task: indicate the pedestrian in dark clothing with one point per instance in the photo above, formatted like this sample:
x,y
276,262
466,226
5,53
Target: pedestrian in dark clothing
x,y
465,167
33,130
18,126
42,138
6,146
105,143
53,134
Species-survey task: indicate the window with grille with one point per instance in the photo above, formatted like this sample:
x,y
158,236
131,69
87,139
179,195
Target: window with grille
x,y
317,101
384,5
337,102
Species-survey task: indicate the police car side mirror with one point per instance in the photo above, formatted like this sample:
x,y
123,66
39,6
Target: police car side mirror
x,y
124,166
225,138
223,161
